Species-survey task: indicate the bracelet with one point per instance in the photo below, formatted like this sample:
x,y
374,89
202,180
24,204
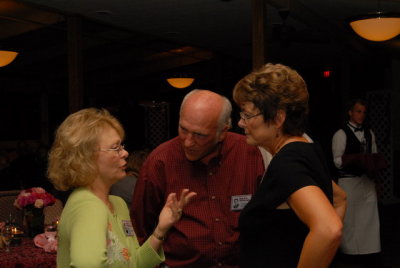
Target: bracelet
x,y
161,238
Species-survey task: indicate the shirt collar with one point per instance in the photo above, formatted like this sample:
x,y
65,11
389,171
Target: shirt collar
x,y
354,127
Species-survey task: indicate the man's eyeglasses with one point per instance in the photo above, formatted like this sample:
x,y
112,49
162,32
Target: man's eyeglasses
x,y
118,149
246,116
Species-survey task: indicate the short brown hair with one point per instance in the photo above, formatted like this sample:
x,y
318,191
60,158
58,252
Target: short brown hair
x,y
276,87
72,156
353,102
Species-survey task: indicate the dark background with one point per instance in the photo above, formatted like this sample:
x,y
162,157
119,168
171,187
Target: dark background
x,y
123,66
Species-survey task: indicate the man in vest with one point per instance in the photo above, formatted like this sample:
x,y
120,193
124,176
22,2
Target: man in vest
x,y
355,157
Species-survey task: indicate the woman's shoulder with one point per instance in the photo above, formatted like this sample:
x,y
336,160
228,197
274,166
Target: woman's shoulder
x,y
117,201
80,194
296,149
83,199
300,148
296,154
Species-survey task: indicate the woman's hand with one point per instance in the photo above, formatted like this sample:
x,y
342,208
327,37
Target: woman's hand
x,y
172,211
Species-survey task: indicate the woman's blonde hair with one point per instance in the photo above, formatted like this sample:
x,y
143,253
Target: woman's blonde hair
x,y
72,158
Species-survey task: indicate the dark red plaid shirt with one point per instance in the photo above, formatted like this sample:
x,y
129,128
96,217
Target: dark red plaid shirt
x,y
207,235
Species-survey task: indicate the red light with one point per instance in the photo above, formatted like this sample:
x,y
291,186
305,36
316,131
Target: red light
x,y
326,74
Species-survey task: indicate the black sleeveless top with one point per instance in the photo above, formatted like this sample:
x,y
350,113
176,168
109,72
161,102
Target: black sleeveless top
x,y
271,237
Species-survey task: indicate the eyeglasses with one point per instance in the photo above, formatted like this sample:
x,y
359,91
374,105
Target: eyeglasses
x,y
118,149
246,116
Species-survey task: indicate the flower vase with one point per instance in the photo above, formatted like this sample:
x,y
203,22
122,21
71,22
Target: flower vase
x,y
34,221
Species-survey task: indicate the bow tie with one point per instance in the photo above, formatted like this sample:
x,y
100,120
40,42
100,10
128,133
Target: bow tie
x,y
355,129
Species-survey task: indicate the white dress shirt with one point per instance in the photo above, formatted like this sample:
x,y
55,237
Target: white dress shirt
x,y
339,144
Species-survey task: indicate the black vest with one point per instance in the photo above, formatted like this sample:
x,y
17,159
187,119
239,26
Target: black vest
x,y
353,146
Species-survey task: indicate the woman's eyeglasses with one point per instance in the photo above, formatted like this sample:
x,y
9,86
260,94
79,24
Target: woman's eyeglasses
x,y
118,149
246,116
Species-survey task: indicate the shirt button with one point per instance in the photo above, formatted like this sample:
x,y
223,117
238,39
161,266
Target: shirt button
x,y
219,264
216,219
213,197
220,243
210,173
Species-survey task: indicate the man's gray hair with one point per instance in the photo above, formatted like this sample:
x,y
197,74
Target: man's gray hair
x,y
225,116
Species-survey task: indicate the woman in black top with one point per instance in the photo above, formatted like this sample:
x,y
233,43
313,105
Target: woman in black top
x,y
290,221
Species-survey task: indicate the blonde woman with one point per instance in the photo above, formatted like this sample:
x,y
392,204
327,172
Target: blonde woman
x,y
95,229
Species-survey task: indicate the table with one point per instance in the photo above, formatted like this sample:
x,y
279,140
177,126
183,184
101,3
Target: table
x,y
27,255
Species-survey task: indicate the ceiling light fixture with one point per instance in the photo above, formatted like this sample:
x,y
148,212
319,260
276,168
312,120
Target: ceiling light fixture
x,y
378,26
181,79
6,57
180,82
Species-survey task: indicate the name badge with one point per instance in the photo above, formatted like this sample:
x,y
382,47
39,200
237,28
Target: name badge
x,y
128,228
238,202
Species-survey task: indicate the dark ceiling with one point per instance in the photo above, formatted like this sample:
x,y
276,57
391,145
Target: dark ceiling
x,y
225,26
129,47
296,30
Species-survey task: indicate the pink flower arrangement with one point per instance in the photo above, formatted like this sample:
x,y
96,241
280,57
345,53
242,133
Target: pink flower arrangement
x,y
35,197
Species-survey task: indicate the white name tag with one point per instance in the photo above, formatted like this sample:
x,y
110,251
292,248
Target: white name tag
x,y
238,202
128,228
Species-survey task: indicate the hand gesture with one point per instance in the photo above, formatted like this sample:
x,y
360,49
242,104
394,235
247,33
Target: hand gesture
x,y
172,210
